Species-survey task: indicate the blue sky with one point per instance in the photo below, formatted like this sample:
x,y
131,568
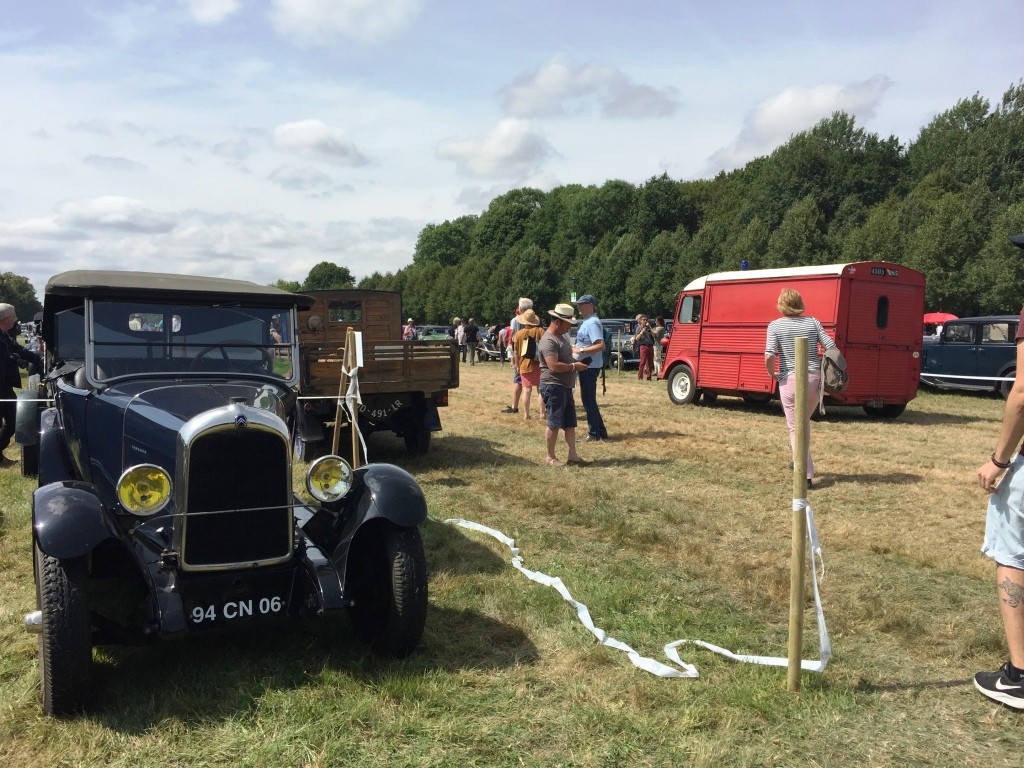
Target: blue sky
x,y
256,138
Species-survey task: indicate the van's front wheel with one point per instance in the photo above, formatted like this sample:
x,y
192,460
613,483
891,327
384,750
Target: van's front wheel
x,y
682,389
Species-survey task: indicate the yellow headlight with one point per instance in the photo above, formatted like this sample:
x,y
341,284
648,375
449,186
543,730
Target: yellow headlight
x,y
329,478
144,489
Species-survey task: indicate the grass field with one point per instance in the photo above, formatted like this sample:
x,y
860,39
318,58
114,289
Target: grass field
x,y
680,528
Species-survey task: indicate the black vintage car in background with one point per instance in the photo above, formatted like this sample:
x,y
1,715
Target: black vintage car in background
x,y
165,503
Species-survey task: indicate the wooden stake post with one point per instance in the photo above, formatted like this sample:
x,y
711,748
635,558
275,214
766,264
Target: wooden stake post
x,y
348,364
798,558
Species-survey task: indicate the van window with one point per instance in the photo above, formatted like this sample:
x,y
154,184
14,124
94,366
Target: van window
x,y
995,333
689,310
882,312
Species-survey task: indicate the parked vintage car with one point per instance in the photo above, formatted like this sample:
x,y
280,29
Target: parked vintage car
x,y
164,505
969,347
433,333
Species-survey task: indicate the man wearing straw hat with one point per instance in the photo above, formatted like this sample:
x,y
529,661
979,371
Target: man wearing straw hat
x,y
558,373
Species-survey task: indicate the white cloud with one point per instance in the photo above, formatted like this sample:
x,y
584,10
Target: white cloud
x,y
115,213
316,139
108,163
556,86
211,11
511,149
312,181
773,121
322,21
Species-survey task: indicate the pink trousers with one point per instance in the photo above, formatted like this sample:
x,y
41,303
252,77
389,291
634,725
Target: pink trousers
x,y
787,393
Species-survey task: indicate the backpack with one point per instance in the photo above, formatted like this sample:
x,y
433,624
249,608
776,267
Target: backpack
x,y
834,378
528,348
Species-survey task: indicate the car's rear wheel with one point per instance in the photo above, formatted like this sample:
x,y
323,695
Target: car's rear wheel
x,y
681,387
386,579
756,398
65,643
1006,386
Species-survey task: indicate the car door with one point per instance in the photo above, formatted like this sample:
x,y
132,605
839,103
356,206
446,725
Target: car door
x,y
958,353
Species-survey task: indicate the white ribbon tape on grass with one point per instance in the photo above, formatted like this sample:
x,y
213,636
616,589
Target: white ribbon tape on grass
x,y
652,665
641,662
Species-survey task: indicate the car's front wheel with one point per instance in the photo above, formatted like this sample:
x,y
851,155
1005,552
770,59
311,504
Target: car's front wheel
x,y
681,386
386,579
65,643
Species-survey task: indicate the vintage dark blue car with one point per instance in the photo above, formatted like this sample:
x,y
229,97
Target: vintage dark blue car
x,y
165,504
972,353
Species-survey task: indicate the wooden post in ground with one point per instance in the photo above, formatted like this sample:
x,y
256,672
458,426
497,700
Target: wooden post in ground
x,y
339,412
798,558
351,363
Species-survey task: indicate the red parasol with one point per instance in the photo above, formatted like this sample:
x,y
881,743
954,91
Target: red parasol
x,y
938,317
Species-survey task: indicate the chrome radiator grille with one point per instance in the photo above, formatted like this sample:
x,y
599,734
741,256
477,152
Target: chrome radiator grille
x,y
237,502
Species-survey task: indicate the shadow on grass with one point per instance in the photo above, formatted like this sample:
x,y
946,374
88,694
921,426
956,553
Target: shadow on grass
x,y
217,677
890,478
921,685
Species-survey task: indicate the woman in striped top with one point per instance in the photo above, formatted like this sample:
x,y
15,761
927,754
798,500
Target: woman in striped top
x,y
781,347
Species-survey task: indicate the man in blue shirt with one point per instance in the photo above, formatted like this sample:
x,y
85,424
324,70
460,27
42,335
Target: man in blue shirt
x,y
590,343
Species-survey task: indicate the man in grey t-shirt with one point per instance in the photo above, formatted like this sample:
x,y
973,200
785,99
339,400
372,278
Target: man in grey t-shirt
x,y
557,379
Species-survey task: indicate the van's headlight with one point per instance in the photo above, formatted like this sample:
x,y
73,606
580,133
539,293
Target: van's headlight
x,y
329,478
144,489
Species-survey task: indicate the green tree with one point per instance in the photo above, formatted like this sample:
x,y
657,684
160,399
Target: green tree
x,y
800,239
445,244
19,293
292,286
327,275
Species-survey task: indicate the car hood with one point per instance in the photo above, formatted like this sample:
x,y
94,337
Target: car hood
x,y
152,413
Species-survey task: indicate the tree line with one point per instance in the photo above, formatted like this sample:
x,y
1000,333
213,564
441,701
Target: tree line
x,y
943,205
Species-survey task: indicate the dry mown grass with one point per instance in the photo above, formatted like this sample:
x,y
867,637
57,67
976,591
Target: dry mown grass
x,y
679,528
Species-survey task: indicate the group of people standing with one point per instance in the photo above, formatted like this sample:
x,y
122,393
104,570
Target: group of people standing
x,y
13,357
546,360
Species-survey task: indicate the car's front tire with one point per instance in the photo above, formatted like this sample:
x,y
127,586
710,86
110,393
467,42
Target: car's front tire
x,y
65,643
682,389
386,579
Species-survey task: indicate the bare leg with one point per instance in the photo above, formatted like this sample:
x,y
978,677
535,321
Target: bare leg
x,y
570,440
551,437
1010,582
526,402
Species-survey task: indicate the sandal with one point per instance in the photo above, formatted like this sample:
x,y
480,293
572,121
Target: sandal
x,y
577,462
555,463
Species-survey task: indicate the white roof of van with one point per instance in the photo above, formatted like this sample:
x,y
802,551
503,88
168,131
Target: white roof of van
x,y
761,274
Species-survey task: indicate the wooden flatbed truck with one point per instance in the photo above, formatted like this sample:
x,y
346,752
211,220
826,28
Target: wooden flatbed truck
x,y
402,383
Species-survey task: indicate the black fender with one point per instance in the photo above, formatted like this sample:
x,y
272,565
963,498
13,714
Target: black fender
x,y
54,465
307,425
379,492
389,492
26,425
68,519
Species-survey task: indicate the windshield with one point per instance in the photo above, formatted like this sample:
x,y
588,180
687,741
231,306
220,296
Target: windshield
x,y
131,338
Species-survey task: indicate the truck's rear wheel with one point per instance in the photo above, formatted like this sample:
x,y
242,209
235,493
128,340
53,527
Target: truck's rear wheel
x,y
681,386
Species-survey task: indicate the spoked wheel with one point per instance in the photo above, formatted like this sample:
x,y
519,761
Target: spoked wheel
x,y
65,644
386,578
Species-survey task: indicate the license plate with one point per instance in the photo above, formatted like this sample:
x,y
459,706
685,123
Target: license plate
x,y
220,602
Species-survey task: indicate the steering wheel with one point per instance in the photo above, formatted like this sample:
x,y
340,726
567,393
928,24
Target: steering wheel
x,y
268,358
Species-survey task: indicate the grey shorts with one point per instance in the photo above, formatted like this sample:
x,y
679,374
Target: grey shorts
x,y
1004,521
